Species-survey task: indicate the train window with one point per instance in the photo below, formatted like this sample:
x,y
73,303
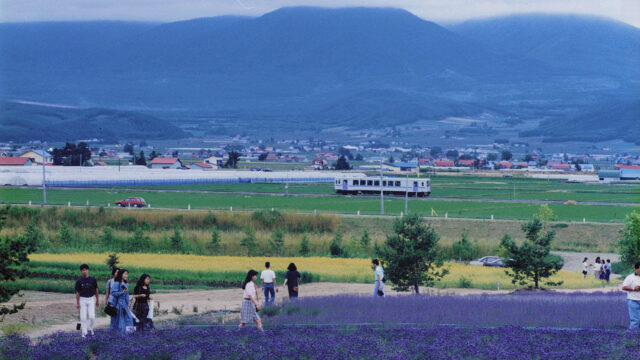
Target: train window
x,y
369,182
422,183
376,183
415,183
355,182
397,183
384,182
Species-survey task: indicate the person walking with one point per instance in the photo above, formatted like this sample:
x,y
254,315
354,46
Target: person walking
x,y
114,272
585,267
269,285
119,297
87,299
607,270
596,273
378,288
631,285
250,304
291,281
142,295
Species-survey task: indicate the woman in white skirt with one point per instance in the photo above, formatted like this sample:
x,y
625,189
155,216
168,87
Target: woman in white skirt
x,y
250,305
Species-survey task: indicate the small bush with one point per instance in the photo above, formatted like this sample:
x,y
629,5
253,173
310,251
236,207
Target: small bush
x,y
464,283
559,226
270,311
177,311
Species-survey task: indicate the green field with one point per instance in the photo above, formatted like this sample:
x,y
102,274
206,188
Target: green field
x,y
344,205
474,187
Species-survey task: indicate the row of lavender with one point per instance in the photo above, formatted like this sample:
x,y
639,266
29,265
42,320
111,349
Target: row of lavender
x,y
557,310
334,343
572,326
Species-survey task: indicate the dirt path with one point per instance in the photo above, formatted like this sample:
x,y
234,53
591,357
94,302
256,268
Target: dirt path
x,y
47,313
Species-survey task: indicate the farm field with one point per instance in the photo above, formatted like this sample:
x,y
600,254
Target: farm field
x,y
191,270
343,205
551,326
94,230
473,187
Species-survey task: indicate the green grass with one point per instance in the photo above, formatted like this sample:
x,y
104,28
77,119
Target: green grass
x,y
474,187
345,205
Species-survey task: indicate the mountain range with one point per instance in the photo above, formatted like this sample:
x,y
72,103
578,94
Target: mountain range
x,y
354,67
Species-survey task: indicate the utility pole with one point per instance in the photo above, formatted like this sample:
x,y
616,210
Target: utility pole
x,y
406,195
44,163
381,189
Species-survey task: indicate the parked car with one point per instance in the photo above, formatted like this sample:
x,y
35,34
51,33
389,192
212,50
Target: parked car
x,y
132,202
488,261
255,169
267,170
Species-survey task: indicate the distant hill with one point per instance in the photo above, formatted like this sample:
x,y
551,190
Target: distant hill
x,y
611,121
357,67
569,44
24,122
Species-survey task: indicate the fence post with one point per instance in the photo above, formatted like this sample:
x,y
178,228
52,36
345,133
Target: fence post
x,y
29,202
498,284
315,211
231,208
431,212
69,204
584,220
87,202
446,215
189,207
491,217
108,204
358,212
148,206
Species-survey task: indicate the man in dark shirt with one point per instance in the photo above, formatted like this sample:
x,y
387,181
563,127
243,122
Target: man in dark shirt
x,y
87,299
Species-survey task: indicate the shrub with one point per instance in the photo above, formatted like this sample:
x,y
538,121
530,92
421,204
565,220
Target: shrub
x,y
464,283
335,248
304,245
214,244
176,239
249,241
464,250
277,242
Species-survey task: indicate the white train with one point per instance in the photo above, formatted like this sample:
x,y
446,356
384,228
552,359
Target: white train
x,y
362,184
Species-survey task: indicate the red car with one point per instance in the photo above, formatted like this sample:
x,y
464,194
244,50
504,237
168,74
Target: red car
x,y
132,202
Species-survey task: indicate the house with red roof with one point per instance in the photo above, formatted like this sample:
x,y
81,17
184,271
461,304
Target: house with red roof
x,y
15,161
504,165
467,163
561,166
445,163
165,163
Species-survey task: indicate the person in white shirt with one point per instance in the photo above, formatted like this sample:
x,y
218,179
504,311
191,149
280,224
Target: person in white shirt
x,y
631,285
250,305
585,268
378,288
269,285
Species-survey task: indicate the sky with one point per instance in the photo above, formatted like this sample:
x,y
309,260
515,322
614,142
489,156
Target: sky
x,y
441,11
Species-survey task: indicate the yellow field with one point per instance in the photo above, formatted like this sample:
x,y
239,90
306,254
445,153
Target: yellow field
x,y
328,269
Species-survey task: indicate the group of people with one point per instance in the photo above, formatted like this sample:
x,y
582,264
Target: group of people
x,y
117,299
601,268
250,302
117,302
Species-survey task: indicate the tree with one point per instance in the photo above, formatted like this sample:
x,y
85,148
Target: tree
x,y
452,154
65,236
33,234
176,239
216,238
107,238
629,243
128,148
141,242
359,157
71,154
263,156
153,155
365,240
528,158
335,248
506,155
277,242
531,262
232,161
140,160
342,164
391,159
492,156
412,255
14,256
464,250
435,151
544,214
304,245
112,261
249,240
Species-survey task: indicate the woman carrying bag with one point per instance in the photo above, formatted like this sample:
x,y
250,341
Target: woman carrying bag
x,y
119,297
142,294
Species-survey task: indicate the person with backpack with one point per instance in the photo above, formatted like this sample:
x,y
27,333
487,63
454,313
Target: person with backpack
x,y
87,300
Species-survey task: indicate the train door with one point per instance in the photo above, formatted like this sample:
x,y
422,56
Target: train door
x,y
415,187
344,185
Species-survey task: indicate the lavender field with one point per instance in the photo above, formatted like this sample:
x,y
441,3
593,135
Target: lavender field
x,y
575,326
